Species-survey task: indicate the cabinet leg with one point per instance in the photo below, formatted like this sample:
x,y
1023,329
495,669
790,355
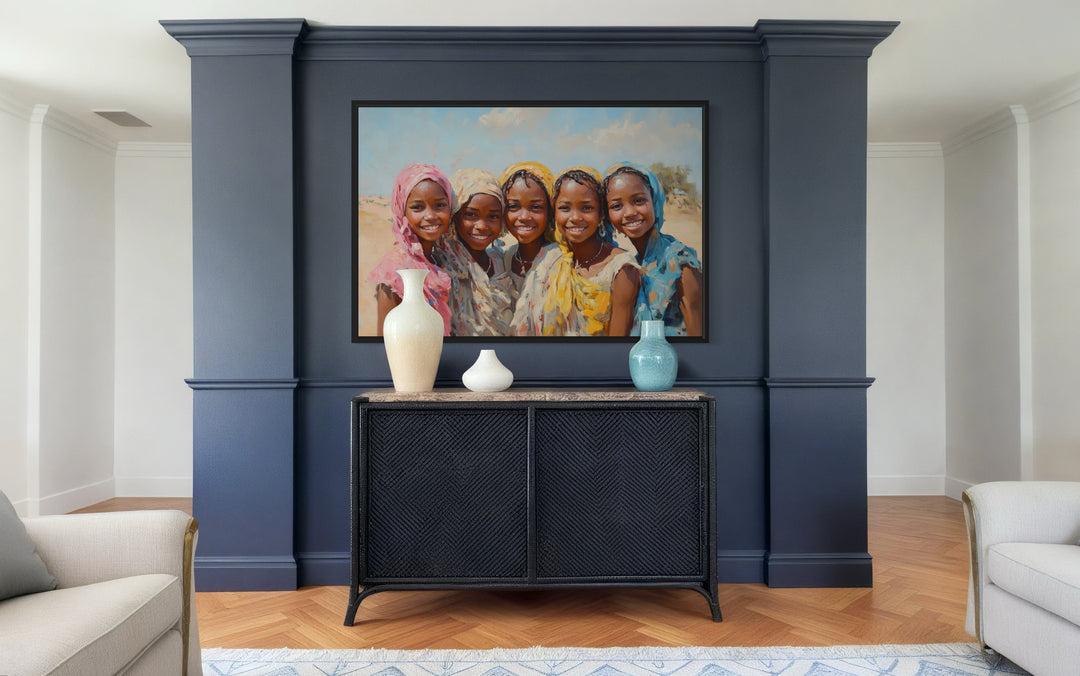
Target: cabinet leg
x,y
355,597
714,606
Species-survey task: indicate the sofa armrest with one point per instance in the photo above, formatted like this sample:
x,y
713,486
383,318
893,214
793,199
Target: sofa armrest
x,y
1015,511
81,549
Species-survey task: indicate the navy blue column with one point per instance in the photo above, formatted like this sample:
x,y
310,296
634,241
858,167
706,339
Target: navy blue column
x,y
244,384
815,220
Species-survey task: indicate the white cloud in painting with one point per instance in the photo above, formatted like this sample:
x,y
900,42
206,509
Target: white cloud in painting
x,y
647,138
512,119
619,134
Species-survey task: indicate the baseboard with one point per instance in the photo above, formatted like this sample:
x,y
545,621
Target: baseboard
x,y
22,507
334,568
906,485
76,498
839,569
954,488
153,486
315,569
734,566
245,573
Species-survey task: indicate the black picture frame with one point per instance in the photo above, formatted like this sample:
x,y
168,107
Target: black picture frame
x,y
363,253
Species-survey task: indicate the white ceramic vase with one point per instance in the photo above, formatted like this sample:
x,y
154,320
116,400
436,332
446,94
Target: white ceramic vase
x,y
413,336
487,374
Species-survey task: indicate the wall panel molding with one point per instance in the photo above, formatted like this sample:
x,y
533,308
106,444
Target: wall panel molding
x,y
275,364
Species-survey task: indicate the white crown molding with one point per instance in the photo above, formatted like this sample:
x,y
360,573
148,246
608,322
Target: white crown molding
x,y
9,104
1063,97
1006,118
904,150
57,120
152,149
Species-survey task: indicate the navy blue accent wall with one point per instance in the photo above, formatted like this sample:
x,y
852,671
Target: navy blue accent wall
x,y
275,363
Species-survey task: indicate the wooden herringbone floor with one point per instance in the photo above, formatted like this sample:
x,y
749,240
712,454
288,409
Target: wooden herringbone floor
x,y
919,594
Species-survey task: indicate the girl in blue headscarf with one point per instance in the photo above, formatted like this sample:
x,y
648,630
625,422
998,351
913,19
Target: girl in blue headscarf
x,y
671,270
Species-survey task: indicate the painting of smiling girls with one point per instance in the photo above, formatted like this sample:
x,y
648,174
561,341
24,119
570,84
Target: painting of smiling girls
x,y
533,222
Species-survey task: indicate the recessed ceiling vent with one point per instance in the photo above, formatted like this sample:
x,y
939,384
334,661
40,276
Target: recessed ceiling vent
x,y
121,117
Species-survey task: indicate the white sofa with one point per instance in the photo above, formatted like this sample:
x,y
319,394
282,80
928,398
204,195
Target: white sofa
x,y
1024,587
124,602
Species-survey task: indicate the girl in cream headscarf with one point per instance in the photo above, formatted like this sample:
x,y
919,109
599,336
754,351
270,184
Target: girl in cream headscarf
x,y
480,303
591,287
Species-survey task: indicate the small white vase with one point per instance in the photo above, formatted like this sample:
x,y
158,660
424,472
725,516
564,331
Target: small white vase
x,y
487,374
413,336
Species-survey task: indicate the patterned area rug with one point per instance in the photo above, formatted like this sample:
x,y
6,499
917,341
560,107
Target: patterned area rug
x,y
941,659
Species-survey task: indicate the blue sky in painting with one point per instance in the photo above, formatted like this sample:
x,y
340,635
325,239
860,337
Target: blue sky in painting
x,y
492,138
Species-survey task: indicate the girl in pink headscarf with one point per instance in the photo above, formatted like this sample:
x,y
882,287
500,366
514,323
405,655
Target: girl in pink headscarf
x,y
421,203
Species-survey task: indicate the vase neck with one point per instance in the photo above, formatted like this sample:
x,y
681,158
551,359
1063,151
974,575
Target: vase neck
x,y
413,283
652,328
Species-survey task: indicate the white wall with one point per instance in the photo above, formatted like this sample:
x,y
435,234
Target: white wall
x,y
72,398
1055,250
154,352
14,201
982,306
905,323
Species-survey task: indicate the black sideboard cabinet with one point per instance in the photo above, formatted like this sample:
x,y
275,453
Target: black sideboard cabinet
x,y
533,489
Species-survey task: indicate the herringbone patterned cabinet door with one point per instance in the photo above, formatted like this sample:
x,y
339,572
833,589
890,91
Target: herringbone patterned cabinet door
x,y
619,493
448,494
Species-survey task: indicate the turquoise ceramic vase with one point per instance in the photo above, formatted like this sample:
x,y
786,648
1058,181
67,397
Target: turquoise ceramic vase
x,y
653,362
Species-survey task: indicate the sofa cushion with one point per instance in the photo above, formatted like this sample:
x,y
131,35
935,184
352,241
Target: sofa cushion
x,y
21,569
93,629
1047,575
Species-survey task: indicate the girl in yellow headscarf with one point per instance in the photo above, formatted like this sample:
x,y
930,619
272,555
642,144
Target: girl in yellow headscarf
x,y
591,287
530,219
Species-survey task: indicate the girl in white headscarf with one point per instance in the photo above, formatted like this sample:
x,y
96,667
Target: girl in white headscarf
x,y
480,303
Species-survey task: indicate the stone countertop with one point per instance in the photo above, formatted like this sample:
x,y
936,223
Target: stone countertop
x,y
452,394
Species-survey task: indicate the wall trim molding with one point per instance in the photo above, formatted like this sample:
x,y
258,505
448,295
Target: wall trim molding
x,y
242,383
153,486
1063,97
931,484
150,149
594,383
9,104
1025,346
1005,118
864,383
76,498
954,488
245,573
237,37
57,120
821,38
904,150
830,569
516,43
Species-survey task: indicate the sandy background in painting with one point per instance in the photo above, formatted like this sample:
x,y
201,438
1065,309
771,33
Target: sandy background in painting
x,y
375,239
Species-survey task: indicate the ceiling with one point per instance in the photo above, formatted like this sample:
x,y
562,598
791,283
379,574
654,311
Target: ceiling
x,y
949,63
